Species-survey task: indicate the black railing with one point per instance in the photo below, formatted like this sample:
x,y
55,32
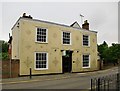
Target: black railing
x,y
106,83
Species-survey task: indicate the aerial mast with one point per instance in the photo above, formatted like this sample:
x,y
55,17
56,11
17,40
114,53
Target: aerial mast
x,y
81,18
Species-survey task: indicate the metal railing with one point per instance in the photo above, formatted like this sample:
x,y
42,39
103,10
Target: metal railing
x,y
106,83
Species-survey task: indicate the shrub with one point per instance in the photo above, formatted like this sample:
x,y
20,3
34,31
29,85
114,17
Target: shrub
x,y
4,56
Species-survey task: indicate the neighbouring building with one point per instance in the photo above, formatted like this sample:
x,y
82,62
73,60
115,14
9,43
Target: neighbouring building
x,y
48,47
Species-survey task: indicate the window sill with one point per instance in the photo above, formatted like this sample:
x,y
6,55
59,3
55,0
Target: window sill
x,y
41,42
86,46
85,67
67,44
41,69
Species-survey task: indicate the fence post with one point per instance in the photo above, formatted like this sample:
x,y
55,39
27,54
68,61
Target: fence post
x,y
117,82
10,68
108,85
91,84
30,73
104,84
98,85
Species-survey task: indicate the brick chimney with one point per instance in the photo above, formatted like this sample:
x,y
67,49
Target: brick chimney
x,y
85,25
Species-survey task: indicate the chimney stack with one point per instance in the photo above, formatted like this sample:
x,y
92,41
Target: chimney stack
x,y
85,25
25,16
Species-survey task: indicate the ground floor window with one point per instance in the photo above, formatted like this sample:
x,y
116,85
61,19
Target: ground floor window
x,y
86,60
41,60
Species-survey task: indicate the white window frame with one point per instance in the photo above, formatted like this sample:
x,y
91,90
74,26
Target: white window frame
x,y
70,37
89,61
88,40
35,61
46,35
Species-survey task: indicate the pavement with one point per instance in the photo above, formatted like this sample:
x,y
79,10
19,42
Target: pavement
x,y
53,77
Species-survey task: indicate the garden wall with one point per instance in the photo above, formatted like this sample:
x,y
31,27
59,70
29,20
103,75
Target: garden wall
x,y
10,72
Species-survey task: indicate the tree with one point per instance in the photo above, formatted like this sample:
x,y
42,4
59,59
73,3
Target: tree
x,y
3,50
114,53
103,50
1,42
4,47
109,54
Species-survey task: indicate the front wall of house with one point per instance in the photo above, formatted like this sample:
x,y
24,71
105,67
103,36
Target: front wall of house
x,y
28,47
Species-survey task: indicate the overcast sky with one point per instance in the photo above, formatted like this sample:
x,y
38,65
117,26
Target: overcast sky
x,y
102,16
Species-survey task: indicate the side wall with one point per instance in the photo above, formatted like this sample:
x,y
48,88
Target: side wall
x,y
15,41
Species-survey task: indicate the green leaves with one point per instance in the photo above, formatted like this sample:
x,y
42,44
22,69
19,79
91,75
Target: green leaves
x,y
109,54
3,50
4,56
103,49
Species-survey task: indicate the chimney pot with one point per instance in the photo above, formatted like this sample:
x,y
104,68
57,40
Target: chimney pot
x,y
30,16
24,14
85,21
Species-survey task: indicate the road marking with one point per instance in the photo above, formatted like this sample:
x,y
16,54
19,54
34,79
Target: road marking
x,y
19,81
65,77
26,81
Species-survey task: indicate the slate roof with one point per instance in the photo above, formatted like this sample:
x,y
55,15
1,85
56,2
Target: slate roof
x,y
51,23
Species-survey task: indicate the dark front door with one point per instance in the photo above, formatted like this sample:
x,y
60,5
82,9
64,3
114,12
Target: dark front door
x,y
67,62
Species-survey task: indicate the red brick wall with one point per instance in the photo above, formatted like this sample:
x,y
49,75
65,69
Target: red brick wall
x,y
6,68
15,68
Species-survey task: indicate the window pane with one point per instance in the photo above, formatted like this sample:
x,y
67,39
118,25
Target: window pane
x,y
36,56
37,62
44,66
44,62
37,66
40,66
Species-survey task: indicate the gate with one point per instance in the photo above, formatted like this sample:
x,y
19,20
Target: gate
x,y
106,83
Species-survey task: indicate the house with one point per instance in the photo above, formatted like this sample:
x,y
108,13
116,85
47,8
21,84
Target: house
x,y
49,48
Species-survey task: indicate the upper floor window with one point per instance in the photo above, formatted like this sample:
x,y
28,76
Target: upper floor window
x,y
41,61
85,40
66,38
41,35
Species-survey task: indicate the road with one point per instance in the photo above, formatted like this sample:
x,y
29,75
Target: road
x,y
70,81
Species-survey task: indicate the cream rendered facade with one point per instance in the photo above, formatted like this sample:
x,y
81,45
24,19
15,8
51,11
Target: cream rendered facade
x,y
24,46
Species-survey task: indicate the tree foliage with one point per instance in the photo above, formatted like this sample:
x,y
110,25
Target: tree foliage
x,y
115,52
109,54
4,47
4,56
3,50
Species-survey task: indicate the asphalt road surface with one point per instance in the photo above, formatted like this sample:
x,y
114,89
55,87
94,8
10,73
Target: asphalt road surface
x,y
70,81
